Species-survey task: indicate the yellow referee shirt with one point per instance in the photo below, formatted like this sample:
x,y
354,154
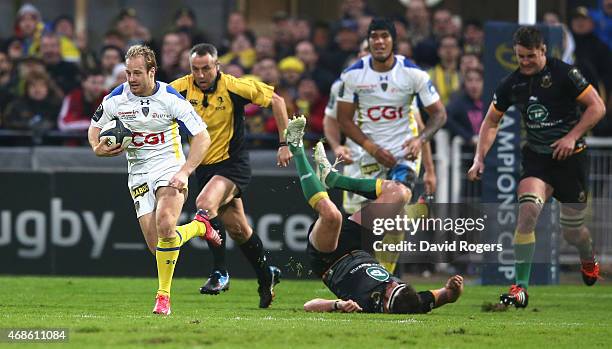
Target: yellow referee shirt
x,y
222,108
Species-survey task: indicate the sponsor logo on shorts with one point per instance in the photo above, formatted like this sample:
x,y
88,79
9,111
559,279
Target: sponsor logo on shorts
x,y
378,273
582,197
137,206
140,191
369,169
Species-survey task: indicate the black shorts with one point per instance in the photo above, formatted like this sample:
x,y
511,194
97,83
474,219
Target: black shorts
x,y
569,177
352,236
237,170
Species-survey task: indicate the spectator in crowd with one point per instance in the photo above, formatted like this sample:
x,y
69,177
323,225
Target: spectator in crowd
x,y
14,49
111,60
241,52
469,61
593,59
184,63
362,25
81,103
29,27
236,24
128,25
552,19
185,21
114,38
291,70
445,75
425,52
169,69
264,48
465,110
65,74
234,70
37,110
346,46
283,35
311,103
473,37
602,18
300,30
354,9
404,48
419,23
305,52
321,36
7,80
63,26
269,73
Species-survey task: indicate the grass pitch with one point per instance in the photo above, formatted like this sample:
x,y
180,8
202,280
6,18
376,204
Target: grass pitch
x,y
116,312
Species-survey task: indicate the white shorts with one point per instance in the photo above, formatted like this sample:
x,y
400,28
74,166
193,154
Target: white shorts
x,y
366,167
144,185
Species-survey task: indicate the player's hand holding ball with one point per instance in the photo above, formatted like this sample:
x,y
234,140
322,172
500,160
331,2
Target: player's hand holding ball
x,y
114,138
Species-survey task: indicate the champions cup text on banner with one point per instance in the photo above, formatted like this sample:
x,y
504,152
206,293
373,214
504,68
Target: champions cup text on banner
x,y
502,166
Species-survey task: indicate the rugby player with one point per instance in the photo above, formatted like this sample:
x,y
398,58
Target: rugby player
x,y
158,170
548,94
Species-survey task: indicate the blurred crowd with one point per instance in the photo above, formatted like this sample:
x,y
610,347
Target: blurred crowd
x,y
52,78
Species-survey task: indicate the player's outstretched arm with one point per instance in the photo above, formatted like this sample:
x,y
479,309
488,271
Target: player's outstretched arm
x,y
450,292
279,110
100,148
594,112
486,137
327,305
197,150
331,130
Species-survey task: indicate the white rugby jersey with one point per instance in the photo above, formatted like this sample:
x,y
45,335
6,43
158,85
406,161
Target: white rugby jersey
x,y
331,110
155,121
383,100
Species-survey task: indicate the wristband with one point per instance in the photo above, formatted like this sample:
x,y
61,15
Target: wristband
x,y
336,305
283,144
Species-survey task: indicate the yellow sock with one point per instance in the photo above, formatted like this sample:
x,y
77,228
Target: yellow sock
x,y
189,230
166,255
386,258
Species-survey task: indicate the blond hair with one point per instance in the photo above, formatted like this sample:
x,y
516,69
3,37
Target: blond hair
x,y
145,52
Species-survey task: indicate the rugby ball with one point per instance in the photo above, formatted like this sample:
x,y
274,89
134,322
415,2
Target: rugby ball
x,y
115,132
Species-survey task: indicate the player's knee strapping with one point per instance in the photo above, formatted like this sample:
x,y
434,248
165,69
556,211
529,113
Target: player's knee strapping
x,y
572,221
532,198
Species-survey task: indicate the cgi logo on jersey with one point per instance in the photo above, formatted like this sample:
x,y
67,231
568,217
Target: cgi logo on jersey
x,y
141,138
384,112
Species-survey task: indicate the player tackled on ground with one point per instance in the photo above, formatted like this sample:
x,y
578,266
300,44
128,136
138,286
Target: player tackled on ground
x,y
547,92
335,247
157,167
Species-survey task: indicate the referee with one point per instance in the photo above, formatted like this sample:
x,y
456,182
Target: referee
x,y
225,172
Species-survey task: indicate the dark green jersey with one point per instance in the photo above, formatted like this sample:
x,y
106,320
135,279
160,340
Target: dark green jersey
x,y
546,101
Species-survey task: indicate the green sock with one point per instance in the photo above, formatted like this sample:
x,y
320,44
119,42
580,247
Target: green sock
x,y
366,187
524,246
312,187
